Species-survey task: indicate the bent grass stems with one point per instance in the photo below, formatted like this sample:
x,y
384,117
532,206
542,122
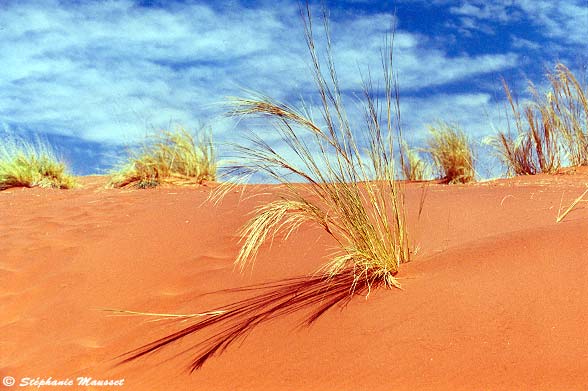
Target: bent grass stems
x,y
550,130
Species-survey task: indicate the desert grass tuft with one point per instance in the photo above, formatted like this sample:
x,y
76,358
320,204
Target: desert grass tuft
x,y
551,124
566,106
24,164
175,157
337,177
534,148
452,153
414,166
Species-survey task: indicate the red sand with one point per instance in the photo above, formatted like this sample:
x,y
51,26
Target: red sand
x,y
495,298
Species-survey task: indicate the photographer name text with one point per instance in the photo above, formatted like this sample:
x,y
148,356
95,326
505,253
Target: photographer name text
x,y
82,381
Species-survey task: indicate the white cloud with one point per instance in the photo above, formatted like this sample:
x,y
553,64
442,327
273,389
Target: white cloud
x,y
521,43
477,9
563,20
474,112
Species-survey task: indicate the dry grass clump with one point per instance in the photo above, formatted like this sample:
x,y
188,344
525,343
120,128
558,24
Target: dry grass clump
x,y
534,148
451,153
330,179
551,124
567,108
176,157
414,166
24,164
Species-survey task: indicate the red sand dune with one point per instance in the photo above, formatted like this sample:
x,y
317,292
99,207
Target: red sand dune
x,y
495,298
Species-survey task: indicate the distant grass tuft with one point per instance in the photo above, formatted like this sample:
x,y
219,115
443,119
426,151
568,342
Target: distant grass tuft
x,y
551,124
452,153
414,167
23,164
567,108
177,157
534,148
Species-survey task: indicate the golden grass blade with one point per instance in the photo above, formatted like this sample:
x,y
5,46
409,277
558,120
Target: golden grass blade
x,y
161,316
561,216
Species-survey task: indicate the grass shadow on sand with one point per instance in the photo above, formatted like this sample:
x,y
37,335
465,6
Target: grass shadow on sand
x,y
233,322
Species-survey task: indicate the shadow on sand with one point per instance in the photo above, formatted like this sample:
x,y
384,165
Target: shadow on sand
x,y
236,320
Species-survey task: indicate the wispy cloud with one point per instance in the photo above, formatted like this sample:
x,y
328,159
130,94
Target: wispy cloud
x,y
563,21
497,11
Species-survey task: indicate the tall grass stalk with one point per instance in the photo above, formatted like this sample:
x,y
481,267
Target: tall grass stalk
x,y
176,157
24,164
330,178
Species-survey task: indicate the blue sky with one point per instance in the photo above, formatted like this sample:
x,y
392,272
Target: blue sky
x,y
94,76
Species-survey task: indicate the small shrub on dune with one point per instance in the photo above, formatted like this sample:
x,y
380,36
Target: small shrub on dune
x,y
176,157
534,147
26,165
354,198
516,153
451,153
334,183
566,107
414,167
552,123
